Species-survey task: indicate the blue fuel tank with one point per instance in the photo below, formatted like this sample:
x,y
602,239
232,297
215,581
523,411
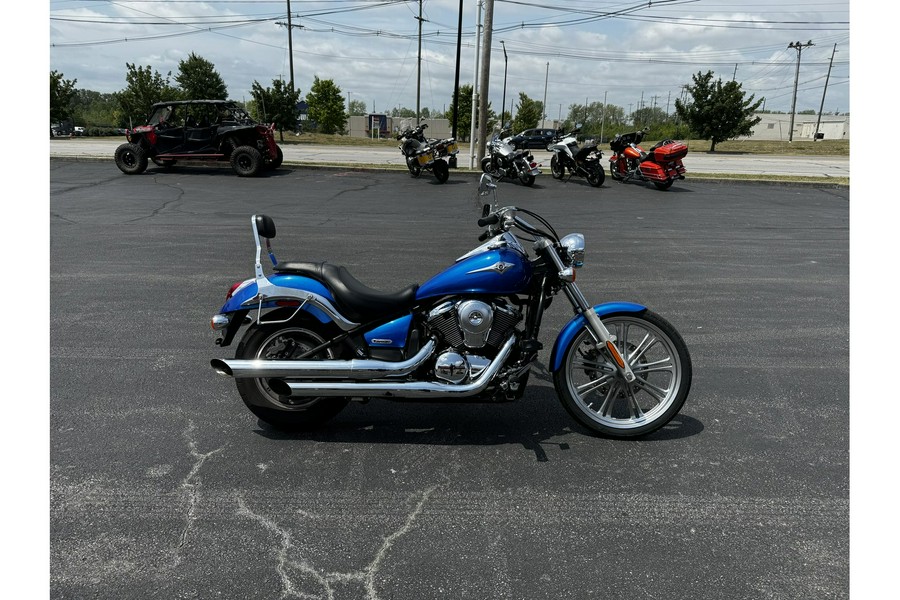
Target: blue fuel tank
x,y
494,271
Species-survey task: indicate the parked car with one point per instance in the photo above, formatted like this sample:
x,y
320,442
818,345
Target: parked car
x,y
533,138
79,131
200,130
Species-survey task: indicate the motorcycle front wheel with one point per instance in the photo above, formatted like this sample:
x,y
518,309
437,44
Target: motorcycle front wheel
x,y
556,168
413,165
597,396
284,341
488,166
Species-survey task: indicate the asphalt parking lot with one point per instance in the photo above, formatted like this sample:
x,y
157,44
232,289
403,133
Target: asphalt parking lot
x,y
162,485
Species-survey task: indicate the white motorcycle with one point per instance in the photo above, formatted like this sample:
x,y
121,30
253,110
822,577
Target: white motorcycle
x,y
581,161
504,160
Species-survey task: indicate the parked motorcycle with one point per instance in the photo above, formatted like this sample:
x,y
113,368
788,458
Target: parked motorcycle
x,y
661,164
315,337
582,161
504,160
428,154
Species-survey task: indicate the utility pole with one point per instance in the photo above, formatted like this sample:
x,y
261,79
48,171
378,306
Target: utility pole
x,y
452,160
475,99
290,45
734,76
419,68
603,117
799,48
485,77
544,103
505,65
822,105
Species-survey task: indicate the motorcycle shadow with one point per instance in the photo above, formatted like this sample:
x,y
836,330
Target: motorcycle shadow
x,y
536,422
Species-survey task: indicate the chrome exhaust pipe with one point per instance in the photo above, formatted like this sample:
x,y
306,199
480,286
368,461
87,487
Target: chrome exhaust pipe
x,y
390,389
322,369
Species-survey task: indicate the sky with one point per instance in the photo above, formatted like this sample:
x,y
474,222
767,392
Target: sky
x,y
629,53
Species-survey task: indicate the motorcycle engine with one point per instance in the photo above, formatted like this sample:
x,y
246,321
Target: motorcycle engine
x,y
470,325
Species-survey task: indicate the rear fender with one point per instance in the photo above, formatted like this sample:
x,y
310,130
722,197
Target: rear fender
x,y
568,333
286,291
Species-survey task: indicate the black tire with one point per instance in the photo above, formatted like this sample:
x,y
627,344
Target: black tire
x,y
441,171
131,159
596,175
592,391
279,158
613,170
557,170
165,163
526,178
282,341
246,161
413,165
663,185
486,165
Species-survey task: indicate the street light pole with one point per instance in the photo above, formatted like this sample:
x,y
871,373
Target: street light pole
x,y
799,48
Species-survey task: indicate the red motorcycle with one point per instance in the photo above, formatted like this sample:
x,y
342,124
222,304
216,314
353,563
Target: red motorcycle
x,y
661,164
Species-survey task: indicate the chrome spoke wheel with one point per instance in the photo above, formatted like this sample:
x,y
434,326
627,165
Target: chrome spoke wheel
x,y
595,392
289,344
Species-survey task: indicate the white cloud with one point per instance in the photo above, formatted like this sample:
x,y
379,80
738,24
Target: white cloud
x,y
585,61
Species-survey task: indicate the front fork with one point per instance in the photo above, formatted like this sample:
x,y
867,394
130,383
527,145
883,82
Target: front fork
x,y
598,330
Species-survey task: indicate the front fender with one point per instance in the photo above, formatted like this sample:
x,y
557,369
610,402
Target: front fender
x,y
568,333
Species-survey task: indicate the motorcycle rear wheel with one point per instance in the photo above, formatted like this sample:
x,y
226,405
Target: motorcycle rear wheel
x,y
596,175
557,170
597,396
663,185
282,341
441,171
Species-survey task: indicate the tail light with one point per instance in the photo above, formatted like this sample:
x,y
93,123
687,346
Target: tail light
x,y
236,287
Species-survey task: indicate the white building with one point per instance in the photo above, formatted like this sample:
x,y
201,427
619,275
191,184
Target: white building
x,y
778,127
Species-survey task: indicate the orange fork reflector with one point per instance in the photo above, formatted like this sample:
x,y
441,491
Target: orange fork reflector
x,y
615,354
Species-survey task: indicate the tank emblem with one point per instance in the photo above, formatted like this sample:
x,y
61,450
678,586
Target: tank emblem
x,y
500,267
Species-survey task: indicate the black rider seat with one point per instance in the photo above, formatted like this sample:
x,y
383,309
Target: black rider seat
x,y
354,299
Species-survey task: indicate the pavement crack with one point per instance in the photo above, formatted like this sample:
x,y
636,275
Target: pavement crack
x,y
366,576
190,485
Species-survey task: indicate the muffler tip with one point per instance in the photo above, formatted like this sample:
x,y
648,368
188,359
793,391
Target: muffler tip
x,y
221,367
279,387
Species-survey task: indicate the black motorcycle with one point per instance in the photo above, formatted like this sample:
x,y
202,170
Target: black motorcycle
x,y
581,161
504,160
426,154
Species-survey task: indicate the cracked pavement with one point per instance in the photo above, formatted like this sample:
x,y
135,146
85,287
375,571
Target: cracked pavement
x,y
163,486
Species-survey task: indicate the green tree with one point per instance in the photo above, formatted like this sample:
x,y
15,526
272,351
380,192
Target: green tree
x,y
62,91
199,80
648,116
464,127
95,109
718,111
358,108
145,88
528,113
277,104
403,113
326,106
596,118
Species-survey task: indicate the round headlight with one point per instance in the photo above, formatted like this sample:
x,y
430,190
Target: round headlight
x,y
574,245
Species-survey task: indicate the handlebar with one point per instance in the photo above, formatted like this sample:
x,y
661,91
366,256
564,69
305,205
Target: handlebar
x,y
488,220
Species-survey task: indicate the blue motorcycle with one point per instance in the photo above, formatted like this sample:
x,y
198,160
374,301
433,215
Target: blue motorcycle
x,y
316,337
